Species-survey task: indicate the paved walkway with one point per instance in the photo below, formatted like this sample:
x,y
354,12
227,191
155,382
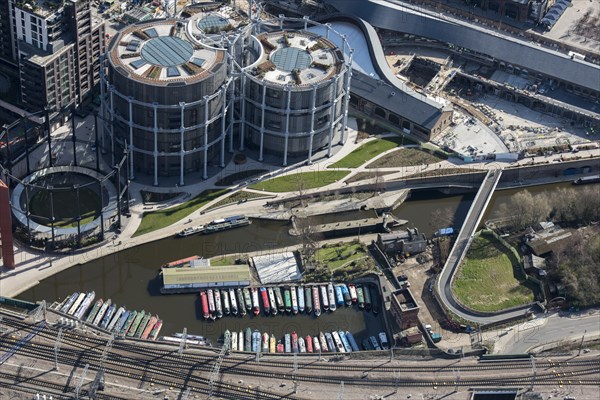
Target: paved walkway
x,y
34,266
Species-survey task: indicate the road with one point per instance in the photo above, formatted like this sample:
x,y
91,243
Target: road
x,y
533,334
463,241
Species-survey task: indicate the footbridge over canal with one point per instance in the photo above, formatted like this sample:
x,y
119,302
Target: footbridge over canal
x,y
443,288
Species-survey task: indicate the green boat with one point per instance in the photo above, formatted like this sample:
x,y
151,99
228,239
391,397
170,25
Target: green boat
x,y
287,299
128,323
248,300
140,329
94,311
361,298
248,340
367,294
136,323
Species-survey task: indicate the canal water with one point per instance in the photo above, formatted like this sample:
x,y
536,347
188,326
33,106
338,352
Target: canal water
x,y
130,279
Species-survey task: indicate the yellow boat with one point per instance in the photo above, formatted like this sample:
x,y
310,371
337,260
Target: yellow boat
x,y
272,344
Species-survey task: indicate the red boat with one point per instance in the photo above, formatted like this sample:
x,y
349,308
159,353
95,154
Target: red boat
x,y
204,302
295,342
309,344
265,299
180,263
149,327
280,347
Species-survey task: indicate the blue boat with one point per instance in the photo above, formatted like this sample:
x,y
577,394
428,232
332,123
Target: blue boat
x,y
287,343
345,342
352,341
122,321
69,302
107,316
256,341
346,294
339,296
330,342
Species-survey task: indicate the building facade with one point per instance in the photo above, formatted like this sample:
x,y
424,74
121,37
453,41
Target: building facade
x,y
166,100
57,45
295,94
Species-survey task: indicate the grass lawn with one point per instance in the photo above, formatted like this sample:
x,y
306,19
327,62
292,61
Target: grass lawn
x,y
486,279
220,261
345,261
367,151
65,207
405,158
340,254
154,220
305,180
366,175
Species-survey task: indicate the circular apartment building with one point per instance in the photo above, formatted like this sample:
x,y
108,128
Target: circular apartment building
x,y
166,99
295,93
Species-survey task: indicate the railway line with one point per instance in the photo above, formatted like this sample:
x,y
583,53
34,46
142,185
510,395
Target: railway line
x,y
160,364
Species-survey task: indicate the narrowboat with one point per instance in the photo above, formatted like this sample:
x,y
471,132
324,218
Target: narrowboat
x,y
255,302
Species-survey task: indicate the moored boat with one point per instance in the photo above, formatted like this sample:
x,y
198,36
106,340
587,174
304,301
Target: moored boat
x,y
101,312
107,316
280,348
287,340
255,302
375,305
115,319
331,297
256,341
149,327
265,299
225,301
279,299
233,301
346,294
324,298
248,339
323,341
227,339
287,298
301,345
300,299
223,224
218,306
128,323
374,343
136,323
352,342
247,299
294,296
309,344
241,341
308,299
272,300
294,337
234,341
180,263
211,304
360,297
69,302
265,342
204,304
316,301
339,346
94,311
155,330
345,341
191,230
240,301
85,304
383,340
367,295
142,326
316,344
353,294
121,321
76,303
272,344
339,297
330,342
